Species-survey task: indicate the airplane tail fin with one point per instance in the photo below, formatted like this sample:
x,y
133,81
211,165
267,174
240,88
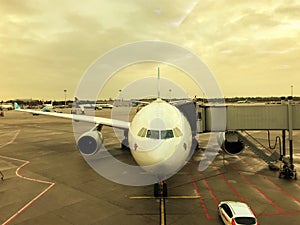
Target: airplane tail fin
x,y
78,105
158,83
76,100
16,105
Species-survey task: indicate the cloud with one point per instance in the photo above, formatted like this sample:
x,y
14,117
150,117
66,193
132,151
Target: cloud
x,y
17,8
50,41
290,11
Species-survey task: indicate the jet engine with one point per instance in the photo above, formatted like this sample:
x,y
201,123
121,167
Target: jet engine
x,y
230,142
90,142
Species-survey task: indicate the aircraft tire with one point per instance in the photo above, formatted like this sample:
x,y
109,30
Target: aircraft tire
x,y
156,190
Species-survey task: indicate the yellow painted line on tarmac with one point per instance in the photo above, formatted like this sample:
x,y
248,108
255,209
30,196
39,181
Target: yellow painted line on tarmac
x,y
162,203
169,197
142,197
162,212
184,197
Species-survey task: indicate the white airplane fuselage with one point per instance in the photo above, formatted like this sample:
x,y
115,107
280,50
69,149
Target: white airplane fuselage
x,y
160,139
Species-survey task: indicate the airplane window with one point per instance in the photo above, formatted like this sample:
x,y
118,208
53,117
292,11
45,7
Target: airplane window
x,y
165,134
142,132
177,132
154,134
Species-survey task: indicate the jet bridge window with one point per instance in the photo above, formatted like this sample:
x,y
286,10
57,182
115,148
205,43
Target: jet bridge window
x,y
165,134
154,134
142,132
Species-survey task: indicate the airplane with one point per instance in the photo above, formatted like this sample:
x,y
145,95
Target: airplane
x,y
48,107
242,101
7,106
91,106
83,106
160,138
105,105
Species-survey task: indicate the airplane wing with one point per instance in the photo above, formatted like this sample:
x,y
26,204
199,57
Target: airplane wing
x,y
180,102
97,120
140,102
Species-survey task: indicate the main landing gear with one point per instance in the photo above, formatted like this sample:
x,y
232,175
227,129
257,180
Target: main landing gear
x,y
160,189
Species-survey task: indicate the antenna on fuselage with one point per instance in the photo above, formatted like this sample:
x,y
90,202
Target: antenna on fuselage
x,y
158,83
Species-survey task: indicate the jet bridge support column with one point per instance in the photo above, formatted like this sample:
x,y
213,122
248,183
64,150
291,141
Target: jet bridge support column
x,y
290,124
287,169
283,153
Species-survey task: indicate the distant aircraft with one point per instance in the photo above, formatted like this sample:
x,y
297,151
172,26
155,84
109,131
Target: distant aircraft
x,y
160,138
105,105
83,106
138,102
6,106
47,107
242,101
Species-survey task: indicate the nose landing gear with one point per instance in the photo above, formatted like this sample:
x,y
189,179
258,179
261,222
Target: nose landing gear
x,y
160,189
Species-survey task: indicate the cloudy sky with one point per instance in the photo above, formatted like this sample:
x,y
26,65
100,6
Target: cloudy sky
x,y
251,47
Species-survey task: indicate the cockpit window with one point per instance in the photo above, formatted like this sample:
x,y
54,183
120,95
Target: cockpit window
x,y
142,132
177,132
154,134
159,134
165,134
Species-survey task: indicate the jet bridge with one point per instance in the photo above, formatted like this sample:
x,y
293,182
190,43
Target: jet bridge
x,y
251,117
242,117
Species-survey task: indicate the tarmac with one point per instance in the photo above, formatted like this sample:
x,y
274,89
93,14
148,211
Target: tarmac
x,y
47,181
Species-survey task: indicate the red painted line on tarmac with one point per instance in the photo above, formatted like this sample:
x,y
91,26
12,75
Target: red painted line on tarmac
x,y
232,188
229,185
279,213
198,193
276,185
207,185
30,179
281,189
257,189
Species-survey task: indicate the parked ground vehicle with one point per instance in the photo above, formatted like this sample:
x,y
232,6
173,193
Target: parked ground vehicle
x,y
236,213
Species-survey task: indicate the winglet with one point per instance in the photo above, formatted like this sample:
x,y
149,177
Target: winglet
x,y
158,83
16,105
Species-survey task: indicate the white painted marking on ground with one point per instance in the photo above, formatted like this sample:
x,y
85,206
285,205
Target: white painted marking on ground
x,y
25,162
14,135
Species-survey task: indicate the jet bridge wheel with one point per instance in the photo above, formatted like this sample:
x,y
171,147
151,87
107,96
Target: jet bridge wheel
x,y
287,171
165,190
156,190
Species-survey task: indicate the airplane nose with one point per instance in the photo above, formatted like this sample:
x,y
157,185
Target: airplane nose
x,y
157,123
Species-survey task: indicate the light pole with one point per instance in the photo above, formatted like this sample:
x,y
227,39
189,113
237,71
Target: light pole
x,y
292,87
65,97
120,98
170,90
